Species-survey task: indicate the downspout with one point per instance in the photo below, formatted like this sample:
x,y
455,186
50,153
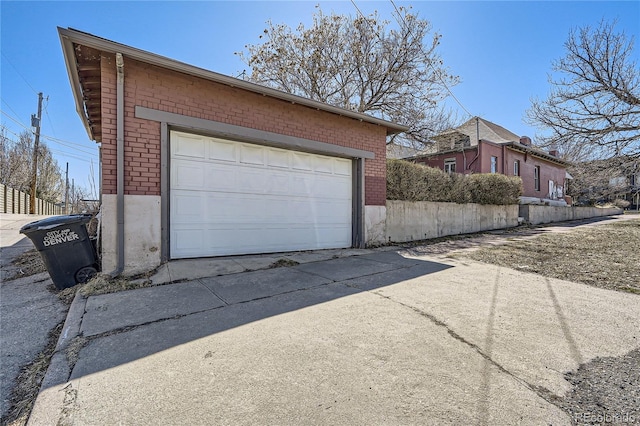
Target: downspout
x,y
504,160
476,157
119,165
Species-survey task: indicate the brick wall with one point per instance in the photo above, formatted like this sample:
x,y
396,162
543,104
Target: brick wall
x,y
506,157
157,88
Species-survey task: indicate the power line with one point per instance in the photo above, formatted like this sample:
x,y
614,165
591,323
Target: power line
x,y
66,143
366,20
70,145
9,106
18,72
428,62
46,112
59,152
70,155
15,120
12,132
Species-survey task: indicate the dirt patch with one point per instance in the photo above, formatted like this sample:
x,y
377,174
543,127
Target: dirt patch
x,y
27,264
605,256
28,383
605,391
283,262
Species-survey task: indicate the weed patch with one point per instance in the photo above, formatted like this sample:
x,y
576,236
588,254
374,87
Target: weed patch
x,y
606,256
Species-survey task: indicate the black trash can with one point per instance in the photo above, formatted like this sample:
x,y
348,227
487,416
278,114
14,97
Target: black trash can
x,y
65,247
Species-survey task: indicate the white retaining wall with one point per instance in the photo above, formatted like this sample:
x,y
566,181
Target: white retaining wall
x,y
421,220
535,214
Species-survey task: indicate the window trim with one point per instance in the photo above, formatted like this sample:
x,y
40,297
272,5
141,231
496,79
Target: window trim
x,y
449,162
516,168
536,178
494,164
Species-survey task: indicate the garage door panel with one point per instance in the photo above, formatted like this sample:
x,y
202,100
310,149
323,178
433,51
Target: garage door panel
x,y
187,207
222,150
343,168
323,165
188,146
189,174
252,155
302,161
325,187
188,240
277,183
251,181
235,198
278,158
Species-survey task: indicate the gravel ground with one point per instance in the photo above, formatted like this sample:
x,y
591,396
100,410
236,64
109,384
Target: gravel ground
x,y
605,391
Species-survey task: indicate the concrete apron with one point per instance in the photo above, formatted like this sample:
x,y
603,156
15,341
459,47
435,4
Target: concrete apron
x,y
371,339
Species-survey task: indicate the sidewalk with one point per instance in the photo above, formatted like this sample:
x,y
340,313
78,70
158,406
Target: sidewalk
x,y
28,311
344,337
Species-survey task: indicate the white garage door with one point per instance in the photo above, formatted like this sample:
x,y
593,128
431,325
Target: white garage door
x,y
236,198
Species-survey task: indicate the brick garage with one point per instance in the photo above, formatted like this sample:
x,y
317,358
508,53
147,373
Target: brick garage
x,y
160,96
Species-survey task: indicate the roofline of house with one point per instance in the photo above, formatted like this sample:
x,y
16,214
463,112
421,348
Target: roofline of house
x,y
70,36
516,146
449,151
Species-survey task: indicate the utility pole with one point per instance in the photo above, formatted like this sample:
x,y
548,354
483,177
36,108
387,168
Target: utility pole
x,y
34,172
73,193
66,191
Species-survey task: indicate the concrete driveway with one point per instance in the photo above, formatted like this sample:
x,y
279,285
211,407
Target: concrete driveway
x,y
380,338
28,310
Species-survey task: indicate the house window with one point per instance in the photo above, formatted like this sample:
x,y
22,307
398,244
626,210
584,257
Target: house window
x,y
494,164
536,178
450,165
516,168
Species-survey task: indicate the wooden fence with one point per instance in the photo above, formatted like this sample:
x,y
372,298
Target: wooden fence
x,y
14,201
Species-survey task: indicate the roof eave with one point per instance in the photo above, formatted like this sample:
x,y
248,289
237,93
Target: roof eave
x,y
70,36
523,148
76,87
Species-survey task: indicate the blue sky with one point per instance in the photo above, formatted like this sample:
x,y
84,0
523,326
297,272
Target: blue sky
x,y
501,50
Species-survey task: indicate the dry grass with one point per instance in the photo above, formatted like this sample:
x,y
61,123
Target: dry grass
x,y
103,284
606,256
28,383
27,264
283,263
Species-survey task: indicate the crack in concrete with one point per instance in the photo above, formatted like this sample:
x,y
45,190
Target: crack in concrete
x,y
68,405
213,292
541,391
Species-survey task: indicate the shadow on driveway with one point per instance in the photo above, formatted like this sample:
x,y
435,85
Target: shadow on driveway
x,y
126,326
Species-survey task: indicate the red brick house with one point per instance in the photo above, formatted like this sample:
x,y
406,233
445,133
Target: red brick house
x,y
198,164
480,146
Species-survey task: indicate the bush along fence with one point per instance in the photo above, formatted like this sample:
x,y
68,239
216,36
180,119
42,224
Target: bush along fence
x,y
17,202
414,182
424,203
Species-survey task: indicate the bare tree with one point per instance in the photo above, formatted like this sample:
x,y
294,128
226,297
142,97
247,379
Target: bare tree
x,y
593,109
360,64
601,180
16,161
15,167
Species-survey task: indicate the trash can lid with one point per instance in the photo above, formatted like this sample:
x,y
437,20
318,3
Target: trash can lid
x,y
54,222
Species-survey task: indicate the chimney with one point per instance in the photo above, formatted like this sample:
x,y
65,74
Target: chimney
x,y
525,140
553,152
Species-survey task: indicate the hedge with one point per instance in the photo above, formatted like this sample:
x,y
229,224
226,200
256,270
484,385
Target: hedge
x,y
415,182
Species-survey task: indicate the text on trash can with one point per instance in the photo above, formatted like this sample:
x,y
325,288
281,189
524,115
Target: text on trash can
x,y
59,236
